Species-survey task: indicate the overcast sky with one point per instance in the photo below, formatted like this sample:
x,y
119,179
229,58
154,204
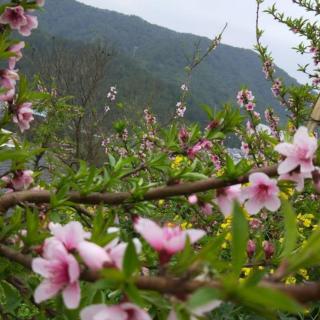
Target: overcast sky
x,y
207,17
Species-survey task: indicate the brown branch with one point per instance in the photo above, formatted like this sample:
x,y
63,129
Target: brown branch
x,y
9,200
302,293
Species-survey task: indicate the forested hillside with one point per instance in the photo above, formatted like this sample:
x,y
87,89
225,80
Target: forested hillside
x,y
148,61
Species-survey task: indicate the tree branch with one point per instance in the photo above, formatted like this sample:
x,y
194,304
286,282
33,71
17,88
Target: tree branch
x,y
305,292
9,200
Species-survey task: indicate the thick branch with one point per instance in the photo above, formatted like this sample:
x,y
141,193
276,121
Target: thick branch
x,y
11,199
302,292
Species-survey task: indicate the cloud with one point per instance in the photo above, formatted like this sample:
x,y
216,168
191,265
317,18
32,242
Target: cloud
x,y
207,17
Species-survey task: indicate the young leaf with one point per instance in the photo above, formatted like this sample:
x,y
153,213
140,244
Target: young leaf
x,y
239,238
130,260
291,232
202,297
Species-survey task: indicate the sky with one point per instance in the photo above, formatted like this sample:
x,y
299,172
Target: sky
x,y
207,18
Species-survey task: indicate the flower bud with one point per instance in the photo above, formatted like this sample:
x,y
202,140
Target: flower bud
x,y
183,135
251,248
268,249
193,199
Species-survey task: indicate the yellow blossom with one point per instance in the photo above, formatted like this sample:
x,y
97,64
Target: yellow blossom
x,y
220,173
246,271
161,202
176,163
291,280
224,245
186,225
304,273
228,236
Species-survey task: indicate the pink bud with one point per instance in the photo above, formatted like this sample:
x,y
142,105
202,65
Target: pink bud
x,y
193,199
183,135
251,248
268,249
206,208
255,223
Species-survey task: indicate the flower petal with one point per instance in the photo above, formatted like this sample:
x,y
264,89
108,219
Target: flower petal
x,y
46,290
41,266
72,295
151,232
93,255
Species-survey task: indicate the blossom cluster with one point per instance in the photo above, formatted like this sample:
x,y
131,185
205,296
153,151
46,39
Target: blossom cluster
x,y
17,18
263,191
61,270
245,98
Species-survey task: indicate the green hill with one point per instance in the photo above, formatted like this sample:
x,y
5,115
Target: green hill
x,y
151,59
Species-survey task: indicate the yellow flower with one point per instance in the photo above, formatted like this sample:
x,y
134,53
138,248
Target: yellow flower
x,y
186,225
291,280
161,202
228,236
304,273
246,271
220,173
307,223
224,245
283,196
225,225
176,163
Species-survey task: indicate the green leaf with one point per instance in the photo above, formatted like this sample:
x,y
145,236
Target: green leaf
x,y
239,238
134,294
291,232
130,260
185,258
12,296
269,299
202,297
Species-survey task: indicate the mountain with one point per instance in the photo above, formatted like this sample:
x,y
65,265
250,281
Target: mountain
x,y
160,54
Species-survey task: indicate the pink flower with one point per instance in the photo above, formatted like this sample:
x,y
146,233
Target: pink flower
x,y
255,224
300,153
23,116
116,251
32,23
250,106
183,135
97,258
167,240
16,49
14,16
193,199
296,177
262,192
8,78
192,152
206,208
226,198
71,234
245,148
22,180
123,311
94,256
202,144
61,272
